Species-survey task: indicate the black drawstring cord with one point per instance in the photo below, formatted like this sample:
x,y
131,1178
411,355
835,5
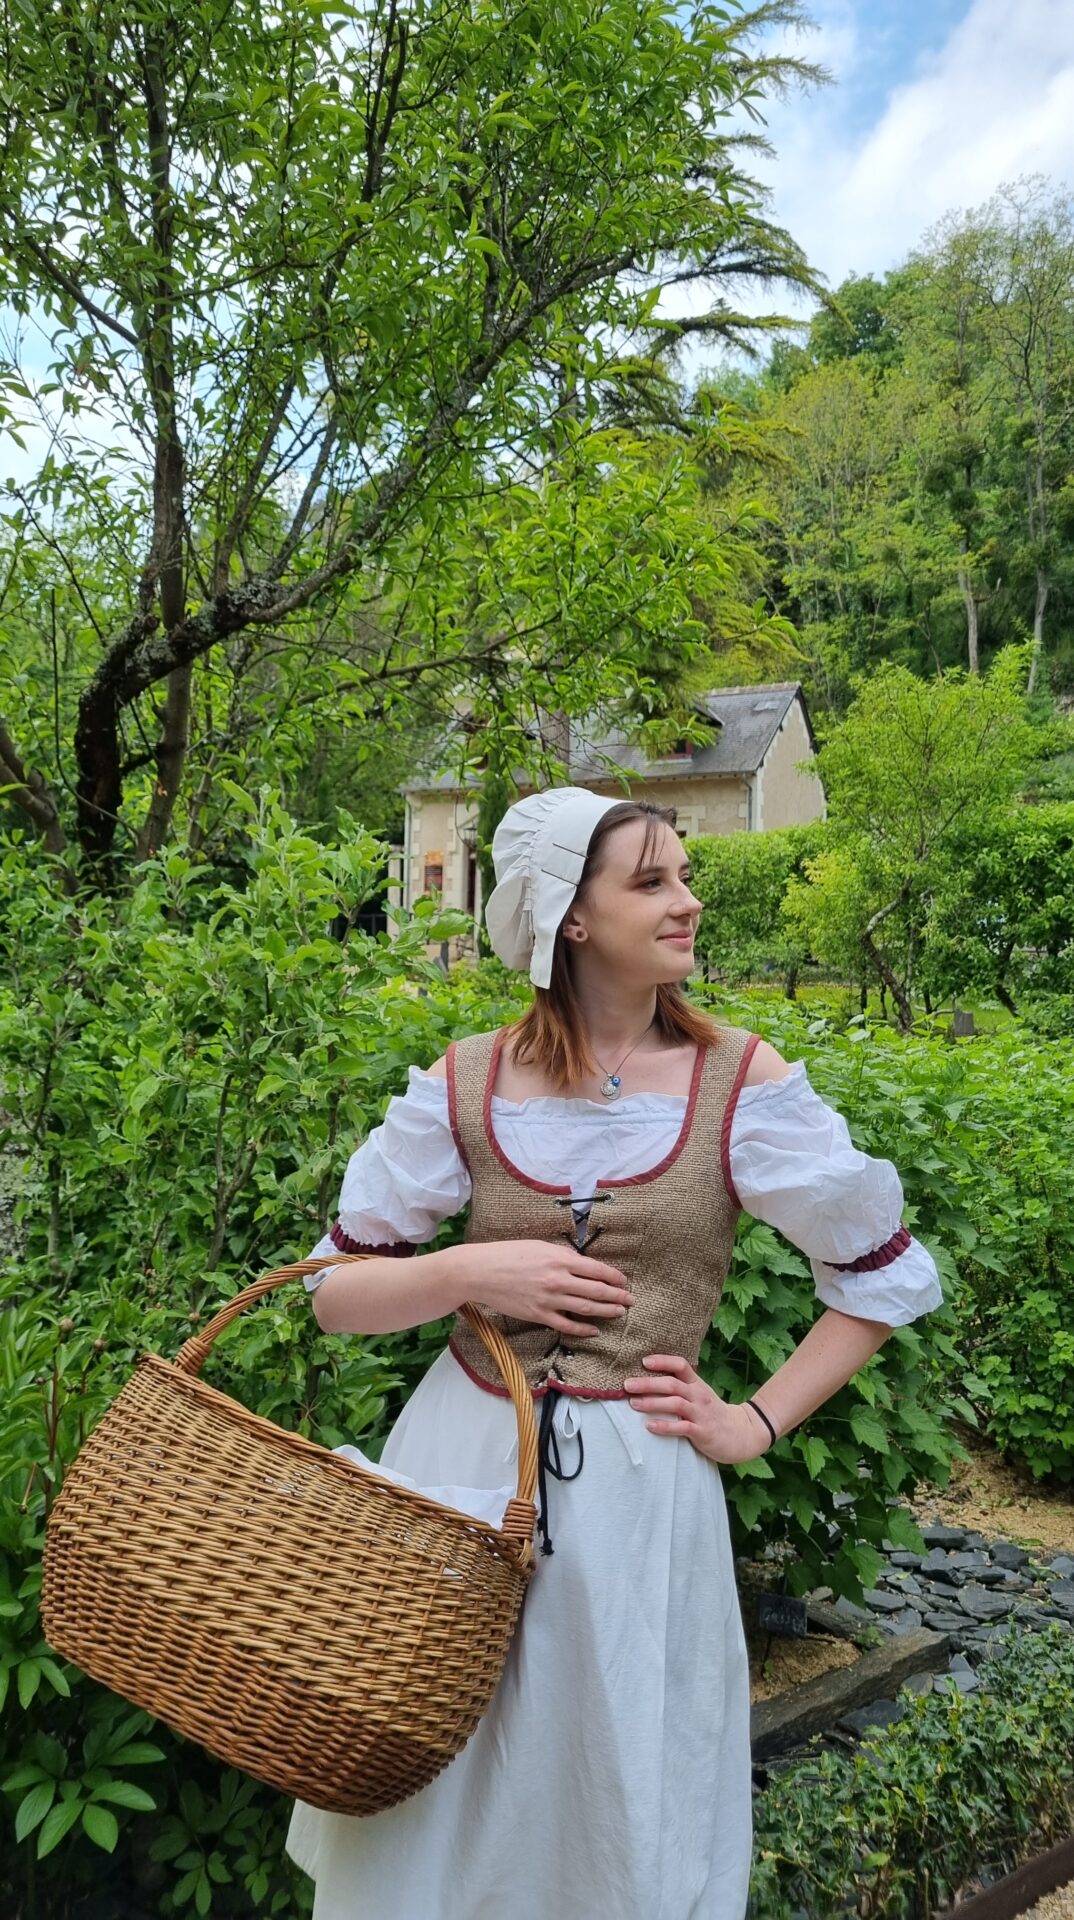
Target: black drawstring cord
x,y
548,1461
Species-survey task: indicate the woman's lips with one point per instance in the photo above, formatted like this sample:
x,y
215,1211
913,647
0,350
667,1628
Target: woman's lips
x,y
679,939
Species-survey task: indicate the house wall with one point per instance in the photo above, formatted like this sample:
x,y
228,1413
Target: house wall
x,y
704,803
786,797
435,820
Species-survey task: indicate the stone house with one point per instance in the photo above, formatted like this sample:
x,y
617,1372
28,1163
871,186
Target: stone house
x,y
750,776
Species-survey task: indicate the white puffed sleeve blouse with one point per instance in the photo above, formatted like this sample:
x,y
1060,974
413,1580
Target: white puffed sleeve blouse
x,y
792,1164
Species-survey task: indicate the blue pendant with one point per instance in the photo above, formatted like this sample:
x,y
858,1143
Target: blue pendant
x,y
610,1087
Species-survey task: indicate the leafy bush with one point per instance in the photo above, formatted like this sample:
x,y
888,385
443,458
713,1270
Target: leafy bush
x,y
1003,918
979,1133
741,880
187,1069
962,1784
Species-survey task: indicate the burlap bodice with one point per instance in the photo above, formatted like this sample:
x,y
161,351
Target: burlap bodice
x,y
669,1230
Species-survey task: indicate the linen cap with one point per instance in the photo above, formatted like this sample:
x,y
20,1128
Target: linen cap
x,y
538,852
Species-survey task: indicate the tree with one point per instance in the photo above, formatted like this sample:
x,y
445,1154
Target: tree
x,y
913,765
317,275
1010,273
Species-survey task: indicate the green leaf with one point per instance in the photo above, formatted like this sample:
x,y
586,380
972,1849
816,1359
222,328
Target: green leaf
x,y
868,1429
123,1793
33,1809
58,1823
814,1452
101,1826
28,1680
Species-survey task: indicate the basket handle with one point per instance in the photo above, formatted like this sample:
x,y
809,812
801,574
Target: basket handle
x,y
519,1518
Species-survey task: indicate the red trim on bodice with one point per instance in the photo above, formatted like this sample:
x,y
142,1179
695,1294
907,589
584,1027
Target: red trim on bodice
x,y
628,1180
729,1116
573,1393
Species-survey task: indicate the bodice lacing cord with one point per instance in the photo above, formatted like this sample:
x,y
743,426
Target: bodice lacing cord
x,y
549,1462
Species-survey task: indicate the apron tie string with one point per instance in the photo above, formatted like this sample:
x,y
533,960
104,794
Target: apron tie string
x,y
549,1462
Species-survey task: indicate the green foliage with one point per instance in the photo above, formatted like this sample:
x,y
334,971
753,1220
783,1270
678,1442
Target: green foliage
x,y
1003,918
922,515
912,766
741,880
354,445
978,1132
960,1785
187,1067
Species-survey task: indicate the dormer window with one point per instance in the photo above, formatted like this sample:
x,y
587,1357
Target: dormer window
x,y
682,750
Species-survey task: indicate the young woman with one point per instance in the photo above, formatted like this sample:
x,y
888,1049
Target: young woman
x,y
606,1143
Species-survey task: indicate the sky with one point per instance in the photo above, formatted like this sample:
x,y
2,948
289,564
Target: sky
x,y
934,104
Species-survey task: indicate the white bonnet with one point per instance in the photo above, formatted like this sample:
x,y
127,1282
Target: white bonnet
x,y
538,852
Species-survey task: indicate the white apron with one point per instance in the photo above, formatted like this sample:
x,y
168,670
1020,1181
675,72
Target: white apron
x,y
610,1778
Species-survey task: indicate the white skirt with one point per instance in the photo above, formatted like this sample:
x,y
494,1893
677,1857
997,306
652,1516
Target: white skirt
x,y
610,1777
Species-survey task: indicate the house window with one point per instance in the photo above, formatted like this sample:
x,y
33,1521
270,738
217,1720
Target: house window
x,y
682,750
434,873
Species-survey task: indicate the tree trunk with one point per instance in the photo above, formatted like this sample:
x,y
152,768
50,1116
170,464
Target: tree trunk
x,y
171,759
882,967
969,601
1043,587
169,471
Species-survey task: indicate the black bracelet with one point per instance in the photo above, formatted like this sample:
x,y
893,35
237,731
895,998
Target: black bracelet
x,y
764,1417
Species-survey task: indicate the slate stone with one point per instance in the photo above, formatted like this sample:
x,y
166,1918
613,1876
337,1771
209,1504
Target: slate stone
x,y
936,1564
842,1499
883,1602
960,1664
880,1713
903,1558
979,1540
1060,1594
1063,1565
938,1536
920,1682
991,1576
907,1621
982,1603
852,1612
1006,1554
946,1622
956,1682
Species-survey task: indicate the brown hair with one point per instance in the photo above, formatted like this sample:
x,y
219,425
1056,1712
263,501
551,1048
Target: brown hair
x,y
550,1035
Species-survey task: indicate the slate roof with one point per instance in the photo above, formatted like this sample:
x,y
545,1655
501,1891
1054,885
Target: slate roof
x,y
748,719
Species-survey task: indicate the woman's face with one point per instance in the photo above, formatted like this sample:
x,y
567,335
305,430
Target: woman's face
x,y
638,922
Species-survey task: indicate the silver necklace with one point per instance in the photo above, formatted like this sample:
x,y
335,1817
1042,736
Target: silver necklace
x,y
612,1083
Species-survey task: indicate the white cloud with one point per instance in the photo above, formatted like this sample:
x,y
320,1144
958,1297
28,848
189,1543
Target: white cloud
x,y
995,101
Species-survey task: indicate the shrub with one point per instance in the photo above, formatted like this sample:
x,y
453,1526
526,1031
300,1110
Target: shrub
x,y
741,880
187,1069
962,1785
978,1132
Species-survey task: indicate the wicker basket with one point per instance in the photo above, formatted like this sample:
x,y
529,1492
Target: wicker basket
x,y
334,1635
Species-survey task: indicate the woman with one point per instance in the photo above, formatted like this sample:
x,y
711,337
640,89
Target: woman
x,y
606,1143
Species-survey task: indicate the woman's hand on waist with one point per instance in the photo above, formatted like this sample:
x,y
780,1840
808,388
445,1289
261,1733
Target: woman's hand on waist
x,y
685,1407
549,1286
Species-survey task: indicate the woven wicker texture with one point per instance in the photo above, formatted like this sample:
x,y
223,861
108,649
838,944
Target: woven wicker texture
x,y
322,1629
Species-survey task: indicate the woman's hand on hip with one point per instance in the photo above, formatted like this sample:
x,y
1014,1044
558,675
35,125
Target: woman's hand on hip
x,y
546,1285
685,1407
